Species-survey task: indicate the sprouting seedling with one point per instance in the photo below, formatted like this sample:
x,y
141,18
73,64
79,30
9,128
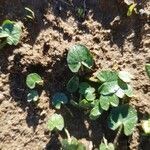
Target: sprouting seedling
x,y
29,13
106,146
10,33
147,68
59,99
56,122
32,96
71,143
146,126
33,79
79,56
123,116
80,12
131,9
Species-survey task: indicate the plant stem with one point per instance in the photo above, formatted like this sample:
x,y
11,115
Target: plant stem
x,y
68,135
117,136
68,111
3,44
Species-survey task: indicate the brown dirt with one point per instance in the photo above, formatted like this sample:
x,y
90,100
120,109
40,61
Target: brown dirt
x,y
123,44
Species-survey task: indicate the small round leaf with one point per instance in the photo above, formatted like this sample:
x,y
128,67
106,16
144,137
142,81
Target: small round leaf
x,y
79,55
125,76
33,79
56,122
58,99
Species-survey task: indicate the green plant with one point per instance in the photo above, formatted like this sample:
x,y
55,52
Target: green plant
x,y
56,122
58,99
147,68
79,56
33,79
131,8
10,33
106,146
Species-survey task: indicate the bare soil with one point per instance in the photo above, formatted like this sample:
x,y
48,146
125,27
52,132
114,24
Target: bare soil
x,y
115,40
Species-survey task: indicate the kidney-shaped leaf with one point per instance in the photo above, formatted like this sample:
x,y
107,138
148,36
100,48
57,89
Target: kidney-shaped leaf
x,y
79,55
107,76
73,84
11,31
56,122
58,99
33,79
106,101
125,116
108,88
147,68
125,76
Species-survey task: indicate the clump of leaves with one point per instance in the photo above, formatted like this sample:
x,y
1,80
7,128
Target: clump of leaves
x,y
56,122
10,33
78,57
123,116
32,80
106,146
147,68
59,99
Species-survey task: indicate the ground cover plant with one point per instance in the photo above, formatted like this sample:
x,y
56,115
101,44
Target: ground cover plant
x,y
74,75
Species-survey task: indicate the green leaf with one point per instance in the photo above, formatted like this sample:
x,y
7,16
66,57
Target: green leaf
x,y
84,104
58,99
106,146
108,88
125,116
33,79
11,31
131,9
106,101
79,55
129,91
147,68
107,76
73,84
72,145
95,112
32,96
146,126
56,122
125,76
86,90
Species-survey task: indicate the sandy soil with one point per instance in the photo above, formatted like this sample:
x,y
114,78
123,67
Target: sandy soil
x,y
122,43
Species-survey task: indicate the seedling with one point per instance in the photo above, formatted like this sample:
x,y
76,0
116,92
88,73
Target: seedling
x,y
10,33
147,68
131,9
106,146
56,122
32,96
59,99
79,56
123,116
33,79
29,13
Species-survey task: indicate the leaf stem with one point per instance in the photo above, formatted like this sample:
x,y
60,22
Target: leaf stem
x,y
68,135
117,136
71,114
